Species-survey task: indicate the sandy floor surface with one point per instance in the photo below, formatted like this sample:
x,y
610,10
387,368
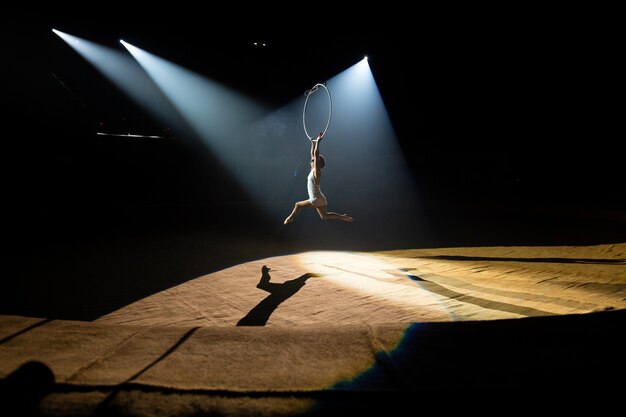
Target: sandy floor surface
x,y
325,333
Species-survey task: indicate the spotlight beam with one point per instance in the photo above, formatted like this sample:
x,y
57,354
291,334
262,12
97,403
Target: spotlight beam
x,y
216,113
129,77
366,166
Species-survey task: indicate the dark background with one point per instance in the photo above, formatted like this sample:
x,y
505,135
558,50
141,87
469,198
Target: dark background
x,y
522,113
510,130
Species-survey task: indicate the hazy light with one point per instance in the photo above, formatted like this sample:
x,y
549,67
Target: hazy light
x,y
218,116
124,72
216,113
366,174
365,57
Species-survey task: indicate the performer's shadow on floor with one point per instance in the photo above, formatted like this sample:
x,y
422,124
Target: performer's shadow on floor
x,y
259,315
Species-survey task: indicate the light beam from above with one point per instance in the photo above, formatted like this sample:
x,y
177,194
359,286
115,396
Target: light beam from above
x,y
129,77
366,174
216,113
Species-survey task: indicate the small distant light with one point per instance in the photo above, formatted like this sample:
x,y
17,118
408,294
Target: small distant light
x,y
122,41
366,57
264,45
255,44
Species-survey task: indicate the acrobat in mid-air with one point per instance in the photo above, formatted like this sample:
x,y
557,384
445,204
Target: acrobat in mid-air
x,y
316,199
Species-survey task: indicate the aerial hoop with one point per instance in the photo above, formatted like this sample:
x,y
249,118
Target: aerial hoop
x,y
330,107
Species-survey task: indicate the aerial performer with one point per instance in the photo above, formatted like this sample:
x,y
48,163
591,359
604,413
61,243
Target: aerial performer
x,y
316,199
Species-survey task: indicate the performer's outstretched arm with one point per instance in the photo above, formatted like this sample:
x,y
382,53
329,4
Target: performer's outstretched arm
x,y
315,152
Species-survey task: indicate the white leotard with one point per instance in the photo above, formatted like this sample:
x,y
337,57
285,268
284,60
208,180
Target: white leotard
x,y
315,193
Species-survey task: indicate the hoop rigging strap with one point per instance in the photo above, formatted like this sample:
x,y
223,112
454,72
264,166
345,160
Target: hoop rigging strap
x,y
330,107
